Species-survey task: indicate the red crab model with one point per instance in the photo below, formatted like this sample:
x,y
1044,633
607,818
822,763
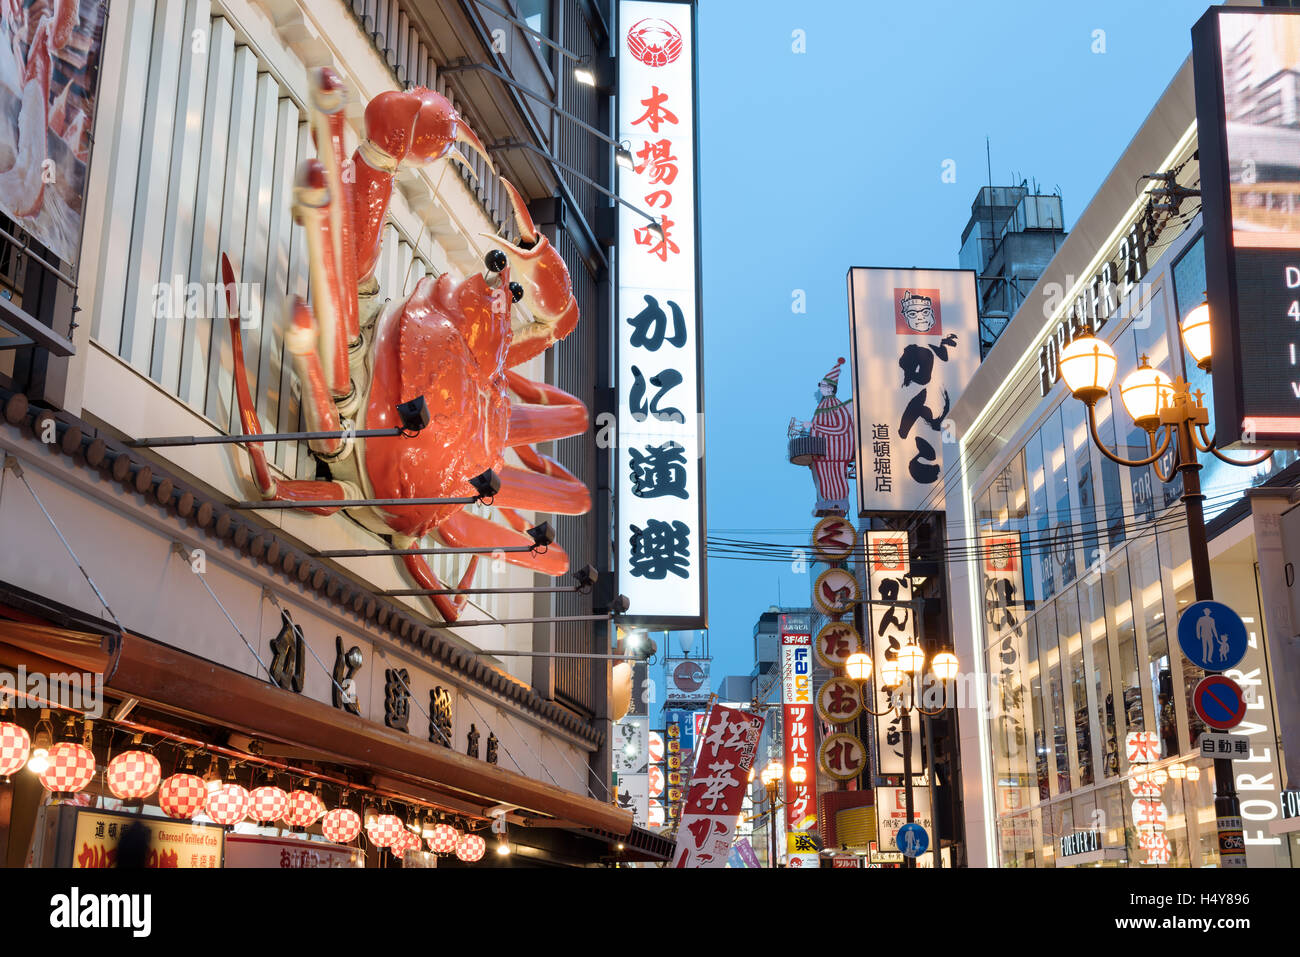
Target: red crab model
x,y
359,356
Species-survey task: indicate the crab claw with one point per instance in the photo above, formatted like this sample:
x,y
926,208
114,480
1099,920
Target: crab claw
x,y
547,287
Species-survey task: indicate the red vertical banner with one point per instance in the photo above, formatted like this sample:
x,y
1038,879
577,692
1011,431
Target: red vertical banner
x,y
725,757
797,702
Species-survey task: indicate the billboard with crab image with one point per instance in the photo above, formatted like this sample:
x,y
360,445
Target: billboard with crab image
x,y
49,66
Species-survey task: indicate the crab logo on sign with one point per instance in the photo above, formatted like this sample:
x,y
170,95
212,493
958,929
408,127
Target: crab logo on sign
x,y
654,42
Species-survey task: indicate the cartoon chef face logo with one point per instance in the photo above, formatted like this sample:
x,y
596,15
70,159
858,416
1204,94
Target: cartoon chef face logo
x,y
654,42
917,311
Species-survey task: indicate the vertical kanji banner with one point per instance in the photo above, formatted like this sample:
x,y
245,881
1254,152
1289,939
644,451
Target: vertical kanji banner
x,y
893,625
717,794
797,708
660,487
915,340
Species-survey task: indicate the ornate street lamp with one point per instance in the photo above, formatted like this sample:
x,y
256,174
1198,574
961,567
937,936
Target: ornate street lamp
x,y
771,777
1158,404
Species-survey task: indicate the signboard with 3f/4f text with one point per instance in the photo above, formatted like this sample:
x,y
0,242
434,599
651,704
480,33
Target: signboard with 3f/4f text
x,y
1245,66
717,794
797,707
659,388
915,341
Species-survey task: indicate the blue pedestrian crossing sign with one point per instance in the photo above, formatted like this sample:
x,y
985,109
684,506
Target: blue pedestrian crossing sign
x,y
1212,635
912,840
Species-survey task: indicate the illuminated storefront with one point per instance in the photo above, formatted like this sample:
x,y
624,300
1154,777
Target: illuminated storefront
x,y
1068,604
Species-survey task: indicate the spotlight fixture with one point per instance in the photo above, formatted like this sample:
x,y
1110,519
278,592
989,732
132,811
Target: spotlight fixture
x,y
657,228
596,72
486,484
42,741
623,155
542,535
619,605
414,415
586,577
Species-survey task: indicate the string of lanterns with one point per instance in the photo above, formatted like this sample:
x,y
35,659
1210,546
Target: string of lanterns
x,y
67,767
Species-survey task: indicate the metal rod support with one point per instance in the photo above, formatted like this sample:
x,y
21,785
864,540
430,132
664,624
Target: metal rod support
x,y
414,592
546,101
507,653
516,621
357,502
398,552
170,441
516,144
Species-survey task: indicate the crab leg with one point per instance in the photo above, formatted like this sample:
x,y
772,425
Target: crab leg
x,y
297,491
327,132
464,530
543,486
318,404
313,208
450,608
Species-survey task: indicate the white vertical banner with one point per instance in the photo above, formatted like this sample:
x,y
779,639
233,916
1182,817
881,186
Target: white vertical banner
x,y
660,506
893,624
914,335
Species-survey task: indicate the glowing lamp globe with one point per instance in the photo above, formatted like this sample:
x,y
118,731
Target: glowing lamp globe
x,y
1193,773
1159,777
71,767
1088,367
134,775
798,774
470,848
891,675
267,804
772,773
1178,771
944,666
443,840
182,796
15,744
341,825
911,658
1196,335
858,666
304,809
227,804
385,830
1144,391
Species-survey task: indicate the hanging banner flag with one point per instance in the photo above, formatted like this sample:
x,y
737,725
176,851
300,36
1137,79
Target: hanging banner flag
x,y
915,340
797,705
660,504
892,626
717,793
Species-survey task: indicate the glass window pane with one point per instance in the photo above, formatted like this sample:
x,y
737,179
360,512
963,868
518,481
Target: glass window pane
x,y
1049,657
1067,624
1144,564
1040,735
1120,606
1092,614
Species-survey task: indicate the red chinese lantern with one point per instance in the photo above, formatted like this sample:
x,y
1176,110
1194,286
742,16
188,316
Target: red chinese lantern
x,y
182,796
341,825
15,744
443,840
304,809
470,848
408,840
134,775
70,769
267,803
227,804
384,830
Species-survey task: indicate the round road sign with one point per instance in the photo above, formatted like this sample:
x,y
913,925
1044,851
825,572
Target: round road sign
x,y
1220,702
912,840
1212,635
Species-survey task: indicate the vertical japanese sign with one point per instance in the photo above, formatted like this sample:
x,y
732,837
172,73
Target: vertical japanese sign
x,y
797,706
48,93
660,504
717,793
915,341
893,625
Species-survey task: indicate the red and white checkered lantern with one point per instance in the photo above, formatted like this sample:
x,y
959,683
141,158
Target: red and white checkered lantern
x,y
133,775
470,848
385,829
71,768
304,809
267,804
182,796
15,743
443,840
408,840
341,825
227,804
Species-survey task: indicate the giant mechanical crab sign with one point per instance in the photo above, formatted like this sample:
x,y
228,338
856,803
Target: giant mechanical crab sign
x,y
359,355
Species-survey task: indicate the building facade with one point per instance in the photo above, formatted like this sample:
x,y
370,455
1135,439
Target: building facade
x,y
1078,716
226,631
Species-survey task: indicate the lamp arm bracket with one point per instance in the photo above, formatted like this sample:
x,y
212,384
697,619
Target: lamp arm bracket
x,y
1245,463
1092,427
1173,469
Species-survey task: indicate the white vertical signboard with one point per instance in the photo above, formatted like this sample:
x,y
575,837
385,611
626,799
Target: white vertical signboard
x,y
915,340
893,625
660,481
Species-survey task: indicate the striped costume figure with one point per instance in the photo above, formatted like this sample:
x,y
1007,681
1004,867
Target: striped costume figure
x,y
833,421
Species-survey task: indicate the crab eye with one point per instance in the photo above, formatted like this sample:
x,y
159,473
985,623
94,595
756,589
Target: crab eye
x,y
516,291
496,261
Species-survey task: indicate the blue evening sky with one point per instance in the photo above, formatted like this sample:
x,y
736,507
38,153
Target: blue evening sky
x,y
817,161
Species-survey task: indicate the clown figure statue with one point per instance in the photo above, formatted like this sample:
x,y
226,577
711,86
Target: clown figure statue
x,y
833,421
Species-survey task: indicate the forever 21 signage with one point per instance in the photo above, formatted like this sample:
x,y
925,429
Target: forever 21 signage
x,y
1080,842
1097,303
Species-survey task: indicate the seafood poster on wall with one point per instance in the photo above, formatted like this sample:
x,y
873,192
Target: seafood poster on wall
x,y
49,63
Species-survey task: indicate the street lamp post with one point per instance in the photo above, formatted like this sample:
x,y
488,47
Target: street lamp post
x,y
771,778
1158,404
909,662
